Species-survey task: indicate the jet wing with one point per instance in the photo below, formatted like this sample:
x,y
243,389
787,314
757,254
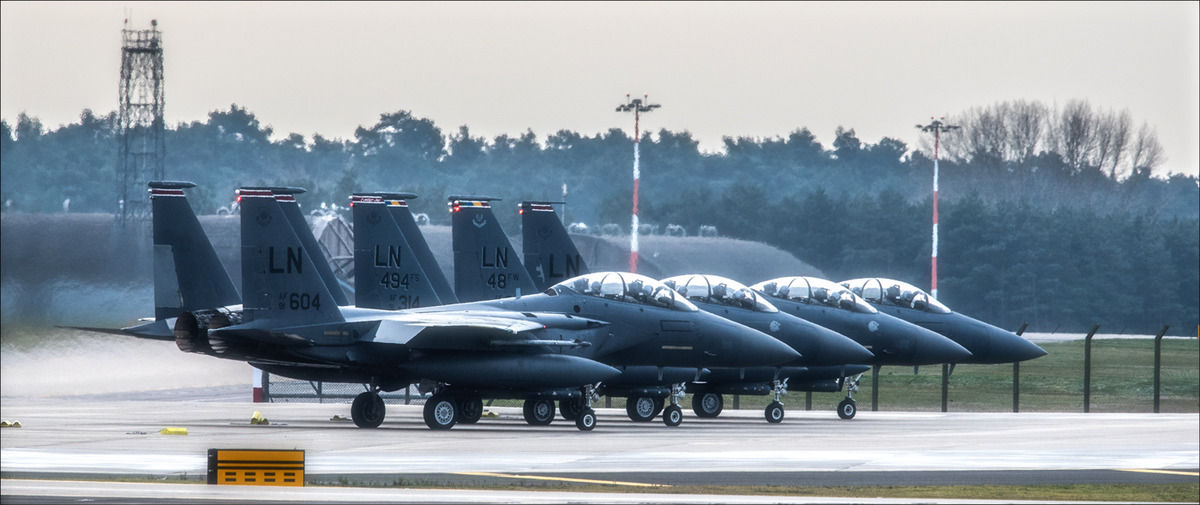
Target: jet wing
x,y
477,330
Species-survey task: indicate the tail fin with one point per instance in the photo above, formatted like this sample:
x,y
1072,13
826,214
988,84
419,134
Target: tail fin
x,y
550,256
286,196
279,274
387,275
485,265
416,240
188,275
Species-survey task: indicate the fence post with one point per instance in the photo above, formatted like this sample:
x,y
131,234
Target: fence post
x,y
1017,376
1087,370
808,400
266,386
945,385
1158,364
875,389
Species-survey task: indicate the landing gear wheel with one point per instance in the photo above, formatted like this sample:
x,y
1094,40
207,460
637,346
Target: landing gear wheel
x,y
470,410
847,409
586,420
368,410
539,412
672,415
774,413
658,407
641,409
707,405
570,408
441,412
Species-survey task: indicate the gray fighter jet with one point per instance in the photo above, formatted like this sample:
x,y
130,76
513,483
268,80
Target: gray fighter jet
x,y
987,343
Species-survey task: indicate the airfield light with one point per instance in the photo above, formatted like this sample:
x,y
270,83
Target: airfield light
x,y
637,106
938,128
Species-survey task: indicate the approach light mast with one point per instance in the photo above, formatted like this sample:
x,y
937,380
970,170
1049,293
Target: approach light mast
x,y
637,106
938,128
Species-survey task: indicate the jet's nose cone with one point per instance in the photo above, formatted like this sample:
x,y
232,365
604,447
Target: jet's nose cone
x,y
988,344
824,347
750,347
1011,348
932,348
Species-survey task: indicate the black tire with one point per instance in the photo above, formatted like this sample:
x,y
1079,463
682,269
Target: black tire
x,y
368,410
539,412
707,405
847,409
774,413
570,408
470,410
586,420
673,415
658,406
641,409
441,412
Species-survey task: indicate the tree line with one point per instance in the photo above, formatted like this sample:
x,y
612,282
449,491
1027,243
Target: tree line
x,y
1049,217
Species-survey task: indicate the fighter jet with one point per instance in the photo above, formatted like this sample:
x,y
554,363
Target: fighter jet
x,y
549,251
987,343
892,340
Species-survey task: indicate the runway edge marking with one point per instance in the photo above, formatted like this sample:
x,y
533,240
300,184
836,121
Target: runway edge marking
x,y
560,479
1166,472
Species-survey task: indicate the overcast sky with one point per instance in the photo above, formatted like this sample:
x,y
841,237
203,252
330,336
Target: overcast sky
x,y
717,69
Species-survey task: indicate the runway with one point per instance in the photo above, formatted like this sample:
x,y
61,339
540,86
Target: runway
x,y
88,438
105,437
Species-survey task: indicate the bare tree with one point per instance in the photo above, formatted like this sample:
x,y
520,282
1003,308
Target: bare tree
x,y
1147,152
1027,128
1076,133
1122,133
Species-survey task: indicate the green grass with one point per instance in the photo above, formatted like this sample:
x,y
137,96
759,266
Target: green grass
x,y
1069,492
1122,380
1180,493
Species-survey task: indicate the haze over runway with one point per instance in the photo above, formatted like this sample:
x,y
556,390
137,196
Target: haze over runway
x,y
719,69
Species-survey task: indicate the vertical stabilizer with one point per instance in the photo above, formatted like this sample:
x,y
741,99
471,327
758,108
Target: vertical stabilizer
x,y
188,275
550,255
486,266
416,240
387,274
286,196
279,274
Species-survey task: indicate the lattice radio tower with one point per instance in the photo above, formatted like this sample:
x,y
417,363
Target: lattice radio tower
x,y
140,139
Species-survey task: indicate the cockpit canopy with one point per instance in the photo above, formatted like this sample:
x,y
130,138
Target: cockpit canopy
x,y
626,287
814,291
895,293
716,289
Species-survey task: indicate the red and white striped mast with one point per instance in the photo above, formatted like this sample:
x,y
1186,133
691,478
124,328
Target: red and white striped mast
x,y
937,127
637,106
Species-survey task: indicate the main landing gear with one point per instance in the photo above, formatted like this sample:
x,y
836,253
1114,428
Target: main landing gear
x,y
368,409
707,404
642,408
